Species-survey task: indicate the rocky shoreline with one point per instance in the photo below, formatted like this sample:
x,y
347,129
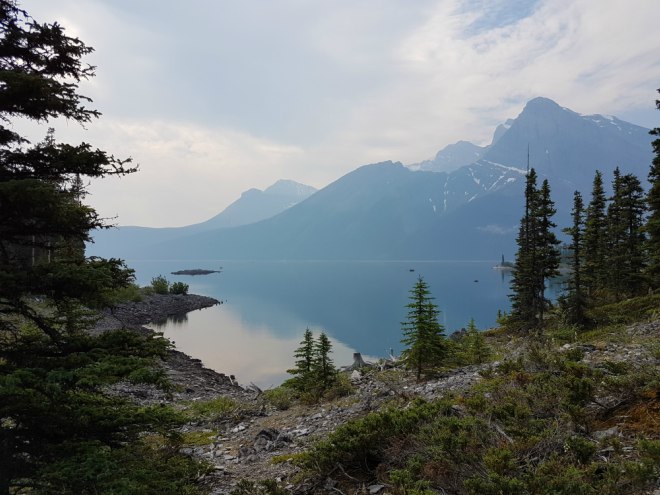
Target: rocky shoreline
x,y
153,308
191,380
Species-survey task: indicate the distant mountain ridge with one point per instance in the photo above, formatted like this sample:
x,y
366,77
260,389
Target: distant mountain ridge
x,y
388,211
254,205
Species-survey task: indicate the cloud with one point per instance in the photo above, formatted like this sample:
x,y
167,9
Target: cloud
x,y
223,95
187,172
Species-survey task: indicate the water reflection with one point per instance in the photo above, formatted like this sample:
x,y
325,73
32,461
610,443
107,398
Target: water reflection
x,y
227,343
360,305
172,320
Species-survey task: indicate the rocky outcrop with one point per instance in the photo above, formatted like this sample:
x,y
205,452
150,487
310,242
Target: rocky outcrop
x,y
153,308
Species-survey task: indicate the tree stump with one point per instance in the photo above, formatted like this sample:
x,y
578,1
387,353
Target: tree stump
x,y
358,362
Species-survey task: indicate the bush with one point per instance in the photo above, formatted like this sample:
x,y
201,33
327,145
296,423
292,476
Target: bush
x,y
130,293
280,398
522,429
179,288
341,387
216,409
264,487
628,311
364,441
160,285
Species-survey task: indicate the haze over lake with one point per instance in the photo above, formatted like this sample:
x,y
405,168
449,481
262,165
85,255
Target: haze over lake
x,y
360,305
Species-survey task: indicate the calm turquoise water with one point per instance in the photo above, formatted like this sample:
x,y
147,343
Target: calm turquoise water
x,y
360,305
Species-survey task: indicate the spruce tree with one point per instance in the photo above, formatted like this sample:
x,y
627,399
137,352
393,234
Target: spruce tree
x,y
304,360
595,241
616,230
323,370
574,301
626,241
652,227
537,258
478,350
423,334
547,246
523,283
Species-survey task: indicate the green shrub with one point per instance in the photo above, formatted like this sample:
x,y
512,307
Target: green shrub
x,y
130,293
214,410
264,487
280,398
179,288
580,448
628,311
500,461
409,483
495,484
197,438
340,387
135,468
365,439
160,285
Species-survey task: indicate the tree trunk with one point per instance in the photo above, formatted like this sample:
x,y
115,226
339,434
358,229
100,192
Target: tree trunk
x,y
358,362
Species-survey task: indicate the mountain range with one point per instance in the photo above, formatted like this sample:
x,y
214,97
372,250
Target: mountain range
x,y
253,205
465,203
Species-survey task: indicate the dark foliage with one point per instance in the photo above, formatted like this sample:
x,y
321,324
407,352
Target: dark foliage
x,y
423,335
537,258
61,430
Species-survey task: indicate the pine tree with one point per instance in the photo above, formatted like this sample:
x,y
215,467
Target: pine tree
x,y
615,238
652,227
547,247
523,283
537,258
323,369
595,241
304,360
477,349
423,334
625,255
575,301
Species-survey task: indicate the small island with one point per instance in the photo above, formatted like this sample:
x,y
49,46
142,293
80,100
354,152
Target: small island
x,y
504,265
195,271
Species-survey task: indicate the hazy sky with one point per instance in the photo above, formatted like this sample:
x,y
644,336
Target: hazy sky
x,y
213,97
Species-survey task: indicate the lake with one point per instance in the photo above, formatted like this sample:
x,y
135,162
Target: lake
x,y
359,304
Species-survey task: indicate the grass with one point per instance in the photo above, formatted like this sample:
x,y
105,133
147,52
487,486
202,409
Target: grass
x,y
217,409
198,438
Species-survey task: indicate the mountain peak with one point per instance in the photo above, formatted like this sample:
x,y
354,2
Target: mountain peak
x,y
543,101
543,105
451,157
290,188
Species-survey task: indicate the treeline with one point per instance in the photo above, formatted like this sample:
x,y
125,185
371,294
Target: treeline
x,y
614,248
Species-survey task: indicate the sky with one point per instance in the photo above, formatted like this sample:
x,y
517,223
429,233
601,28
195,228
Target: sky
x,y
214,97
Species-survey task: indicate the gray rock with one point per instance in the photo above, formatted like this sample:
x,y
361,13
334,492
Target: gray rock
x,y
603,434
